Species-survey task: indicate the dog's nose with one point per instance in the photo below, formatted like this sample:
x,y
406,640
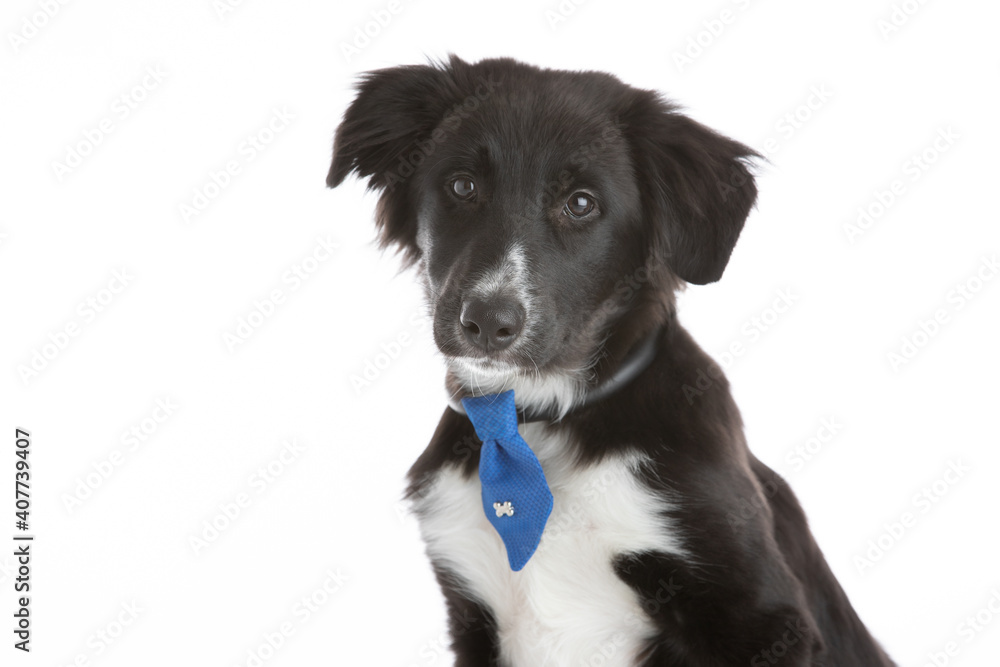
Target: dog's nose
x,y
491,325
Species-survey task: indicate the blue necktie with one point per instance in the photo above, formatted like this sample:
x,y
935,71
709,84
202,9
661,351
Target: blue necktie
x,y
516,498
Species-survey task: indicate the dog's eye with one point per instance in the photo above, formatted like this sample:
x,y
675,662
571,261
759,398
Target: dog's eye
x,y
580,205
463,187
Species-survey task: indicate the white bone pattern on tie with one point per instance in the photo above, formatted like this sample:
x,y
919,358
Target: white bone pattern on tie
x,y
504,508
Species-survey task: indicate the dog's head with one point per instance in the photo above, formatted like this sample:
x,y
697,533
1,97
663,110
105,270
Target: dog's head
x,y
548,211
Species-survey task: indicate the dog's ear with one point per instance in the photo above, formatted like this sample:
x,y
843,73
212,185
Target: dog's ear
x,y
379,138
697,187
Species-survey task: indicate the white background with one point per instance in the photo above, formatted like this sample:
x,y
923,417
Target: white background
x,y
334,508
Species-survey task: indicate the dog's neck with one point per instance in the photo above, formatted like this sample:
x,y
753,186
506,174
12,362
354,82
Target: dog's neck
x,y
542,399
635,362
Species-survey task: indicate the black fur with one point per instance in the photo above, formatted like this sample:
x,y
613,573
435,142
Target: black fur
x,y
673,198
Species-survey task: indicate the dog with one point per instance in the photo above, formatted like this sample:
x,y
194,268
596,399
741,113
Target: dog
x,y
551,217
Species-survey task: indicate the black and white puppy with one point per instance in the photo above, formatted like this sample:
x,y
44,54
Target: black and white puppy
x,y
551,216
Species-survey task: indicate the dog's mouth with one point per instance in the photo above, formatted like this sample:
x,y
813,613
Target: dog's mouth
x,y
486,369
485,366
492,365
506,344
480,376
543,388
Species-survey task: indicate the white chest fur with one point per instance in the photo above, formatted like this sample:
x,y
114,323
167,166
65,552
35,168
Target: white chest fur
x,y
567,606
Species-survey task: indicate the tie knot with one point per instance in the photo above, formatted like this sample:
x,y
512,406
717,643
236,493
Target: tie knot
x,y
493,416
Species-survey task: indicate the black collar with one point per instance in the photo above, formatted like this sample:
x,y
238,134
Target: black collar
x,y
636,361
